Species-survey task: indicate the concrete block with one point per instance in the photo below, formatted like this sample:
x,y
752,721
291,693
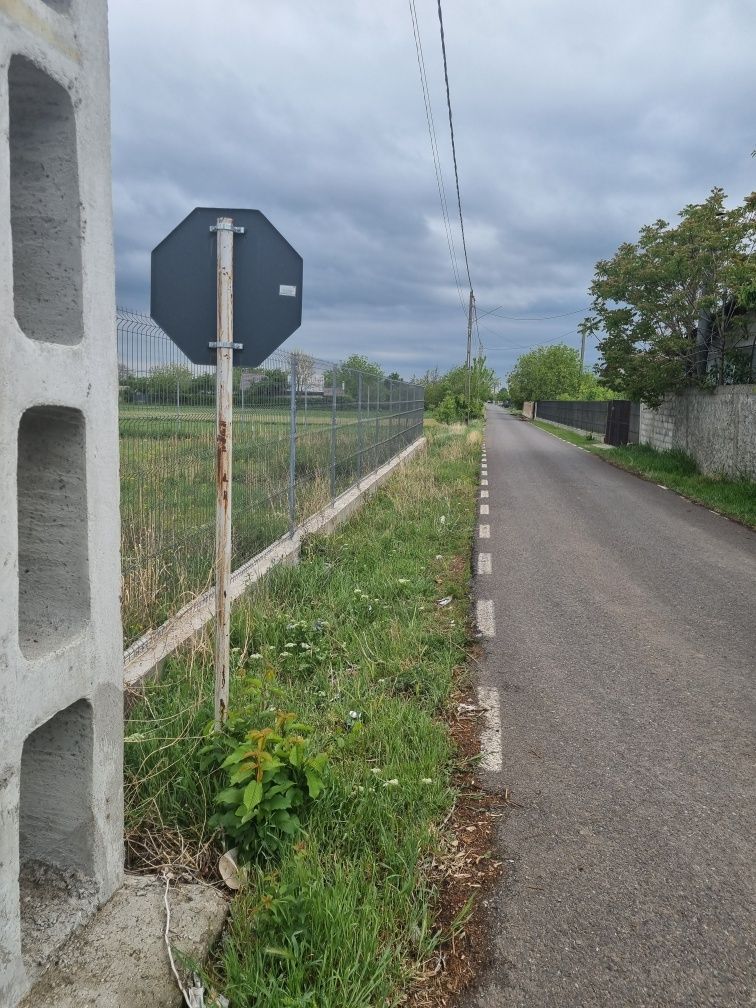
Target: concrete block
x,y
717,427
119,958
61,803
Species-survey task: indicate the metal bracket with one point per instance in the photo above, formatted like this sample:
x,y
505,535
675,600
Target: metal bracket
x,y
227,227
215,345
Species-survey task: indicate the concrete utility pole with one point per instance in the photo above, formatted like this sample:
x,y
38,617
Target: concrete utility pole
x,y
469,350
582,350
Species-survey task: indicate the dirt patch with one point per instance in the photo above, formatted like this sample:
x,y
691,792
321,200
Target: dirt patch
x,y
463,872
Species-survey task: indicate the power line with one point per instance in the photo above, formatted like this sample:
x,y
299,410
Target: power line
x,y
529,346
453,145
434,150
532,318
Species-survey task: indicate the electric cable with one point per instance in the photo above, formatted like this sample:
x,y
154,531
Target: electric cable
x,y
453,144
434,151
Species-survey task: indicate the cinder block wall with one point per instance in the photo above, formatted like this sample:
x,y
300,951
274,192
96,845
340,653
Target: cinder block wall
x,y
61,802
717,428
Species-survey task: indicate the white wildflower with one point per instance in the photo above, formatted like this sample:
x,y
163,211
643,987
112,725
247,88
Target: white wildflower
x,y
375,770
394,782
426,780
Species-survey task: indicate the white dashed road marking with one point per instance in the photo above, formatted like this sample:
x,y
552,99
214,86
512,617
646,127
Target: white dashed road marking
x,y
484,509
483,494
490,739
484,531
484,617
484,482
484,563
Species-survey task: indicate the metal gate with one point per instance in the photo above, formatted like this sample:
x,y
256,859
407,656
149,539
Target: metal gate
x,y
617,422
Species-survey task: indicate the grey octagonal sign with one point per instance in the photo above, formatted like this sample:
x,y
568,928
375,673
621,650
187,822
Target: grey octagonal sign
x,y
267,286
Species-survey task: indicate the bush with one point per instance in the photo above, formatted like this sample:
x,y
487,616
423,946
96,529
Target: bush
x,y
268,776
453,409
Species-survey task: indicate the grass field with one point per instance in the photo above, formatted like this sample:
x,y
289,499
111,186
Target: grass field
x,y
353,642
676,470
168,490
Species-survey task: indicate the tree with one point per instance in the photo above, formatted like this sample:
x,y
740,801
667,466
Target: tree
x,y
305,369
165,382
453,386
591,390
348,376
548,372
671,305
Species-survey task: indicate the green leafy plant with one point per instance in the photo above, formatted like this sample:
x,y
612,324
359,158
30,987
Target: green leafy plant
x,y
268,777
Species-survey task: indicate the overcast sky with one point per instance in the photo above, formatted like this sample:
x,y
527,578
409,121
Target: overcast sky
x,y
576,123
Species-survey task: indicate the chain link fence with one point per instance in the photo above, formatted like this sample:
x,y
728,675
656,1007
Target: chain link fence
x,y
304,431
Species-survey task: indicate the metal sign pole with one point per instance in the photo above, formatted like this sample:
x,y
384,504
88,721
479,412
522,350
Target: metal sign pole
x,y
293,446
224,347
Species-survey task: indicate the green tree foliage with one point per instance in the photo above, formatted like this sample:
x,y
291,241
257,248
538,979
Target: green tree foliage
x,y
675,299
592,390
549,372
347,377
450,390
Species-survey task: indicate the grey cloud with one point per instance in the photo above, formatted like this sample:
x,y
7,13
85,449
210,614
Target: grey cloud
x,y
576,124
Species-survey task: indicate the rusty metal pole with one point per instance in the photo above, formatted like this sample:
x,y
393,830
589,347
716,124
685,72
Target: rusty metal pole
x,y
224,346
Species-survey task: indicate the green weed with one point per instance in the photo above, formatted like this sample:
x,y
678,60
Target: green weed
x,y
354,642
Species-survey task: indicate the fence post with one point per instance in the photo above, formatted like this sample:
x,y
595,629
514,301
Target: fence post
x,y
378,456
333,434
359,426
293,447
391,419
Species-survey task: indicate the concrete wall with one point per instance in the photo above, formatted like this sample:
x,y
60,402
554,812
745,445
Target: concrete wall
x,y
717,428
61,802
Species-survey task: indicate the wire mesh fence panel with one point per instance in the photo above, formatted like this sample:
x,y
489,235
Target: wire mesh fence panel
x,y
304,431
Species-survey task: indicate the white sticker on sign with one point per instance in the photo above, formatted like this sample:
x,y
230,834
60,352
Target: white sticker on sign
x,y
286,291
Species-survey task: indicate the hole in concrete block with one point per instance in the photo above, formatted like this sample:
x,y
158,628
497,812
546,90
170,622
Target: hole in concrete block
x,y
61,6
45,213
56,834
53,567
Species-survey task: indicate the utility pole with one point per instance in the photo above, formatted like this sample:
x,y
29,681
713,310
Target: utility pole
x,y
582,350
469,350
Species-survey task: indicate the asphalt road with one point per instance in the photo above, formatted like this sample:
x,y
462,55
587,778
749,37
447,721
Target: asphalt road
x,y
624,657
